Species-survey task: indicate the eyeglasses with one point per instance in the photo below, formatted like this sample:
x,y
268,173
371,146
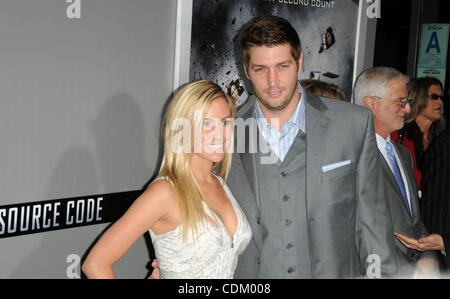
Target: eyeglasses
x,y
401,103
435,97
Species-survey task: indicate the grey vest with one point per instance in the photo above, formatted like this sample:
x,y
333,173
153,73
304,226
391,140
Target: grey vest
x,y
285,249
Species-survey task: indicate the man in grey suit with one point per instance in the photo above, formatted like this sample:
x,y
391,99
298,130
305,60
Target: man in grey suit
x,y
317,210
384,91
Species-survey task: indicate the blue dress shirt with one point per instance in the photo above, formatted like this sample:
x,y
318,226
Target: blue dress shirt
x,y
281,141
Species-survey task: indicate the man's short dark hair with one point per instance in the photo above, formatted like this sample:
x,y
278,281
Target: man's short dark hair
x,y
269,31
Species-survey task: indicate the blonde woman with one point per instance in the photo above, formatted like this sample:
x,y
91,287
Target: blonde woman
x,y
197,227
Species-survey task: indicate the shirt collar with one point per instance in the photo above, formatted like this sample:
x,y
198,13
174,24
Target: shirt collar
x,y
297,118
381,141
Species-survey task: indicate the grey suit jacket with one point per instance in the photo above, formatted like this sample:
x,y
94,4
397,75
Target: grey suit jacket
x,y
403,222
349,225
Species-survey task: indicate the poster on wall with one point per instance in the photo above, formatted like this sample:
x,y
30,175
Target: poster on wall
x,y
434,45
327,31
433,51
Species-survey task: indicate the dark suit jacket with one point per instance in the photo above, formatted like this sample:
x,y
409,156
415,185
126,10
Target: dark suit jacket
x,y
446,257
435,206
349,227
410,225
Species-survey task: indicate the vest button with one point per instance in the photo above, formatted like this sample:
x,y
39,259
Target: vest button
x,y
286,198
291,270
258,261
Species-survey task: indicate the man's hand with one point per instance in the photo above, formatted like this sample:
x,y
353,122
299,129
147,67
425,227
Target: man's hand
x,y
155,274
431,242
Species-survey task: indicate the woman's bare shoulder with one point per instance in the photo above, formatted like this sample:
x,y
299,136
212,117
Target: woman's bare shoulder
x,y
160,192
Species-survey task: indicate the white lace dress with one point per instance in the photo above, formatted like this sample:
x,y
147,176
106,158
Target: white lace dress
x,y
212,255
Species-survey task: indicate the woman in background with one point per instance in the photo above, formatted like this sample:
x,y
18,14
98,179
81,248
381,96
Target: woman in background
x,y
197,227
425,121
434,170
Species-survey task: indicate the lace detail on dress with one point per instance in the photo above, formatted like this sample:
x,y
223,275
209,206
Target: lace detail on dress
x,y
213,254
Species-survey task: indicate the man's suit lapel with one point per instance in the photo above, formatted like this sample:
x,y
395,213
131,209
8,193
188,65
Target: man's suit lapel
x,y
249,159
317,134
249,164
411,183
393,183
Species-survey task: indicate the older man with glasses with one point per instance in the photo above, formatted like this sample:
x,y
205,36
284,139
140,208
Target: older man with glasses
x,y
384,91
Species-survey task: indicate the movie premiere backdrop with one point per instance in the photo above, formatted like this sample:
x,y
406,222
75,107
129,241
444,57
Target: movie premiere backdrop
x,y
327,32
83,85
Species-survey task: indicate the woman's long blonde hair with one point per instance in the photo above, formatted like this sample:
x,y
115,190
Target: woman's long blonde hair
x,y
189,107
